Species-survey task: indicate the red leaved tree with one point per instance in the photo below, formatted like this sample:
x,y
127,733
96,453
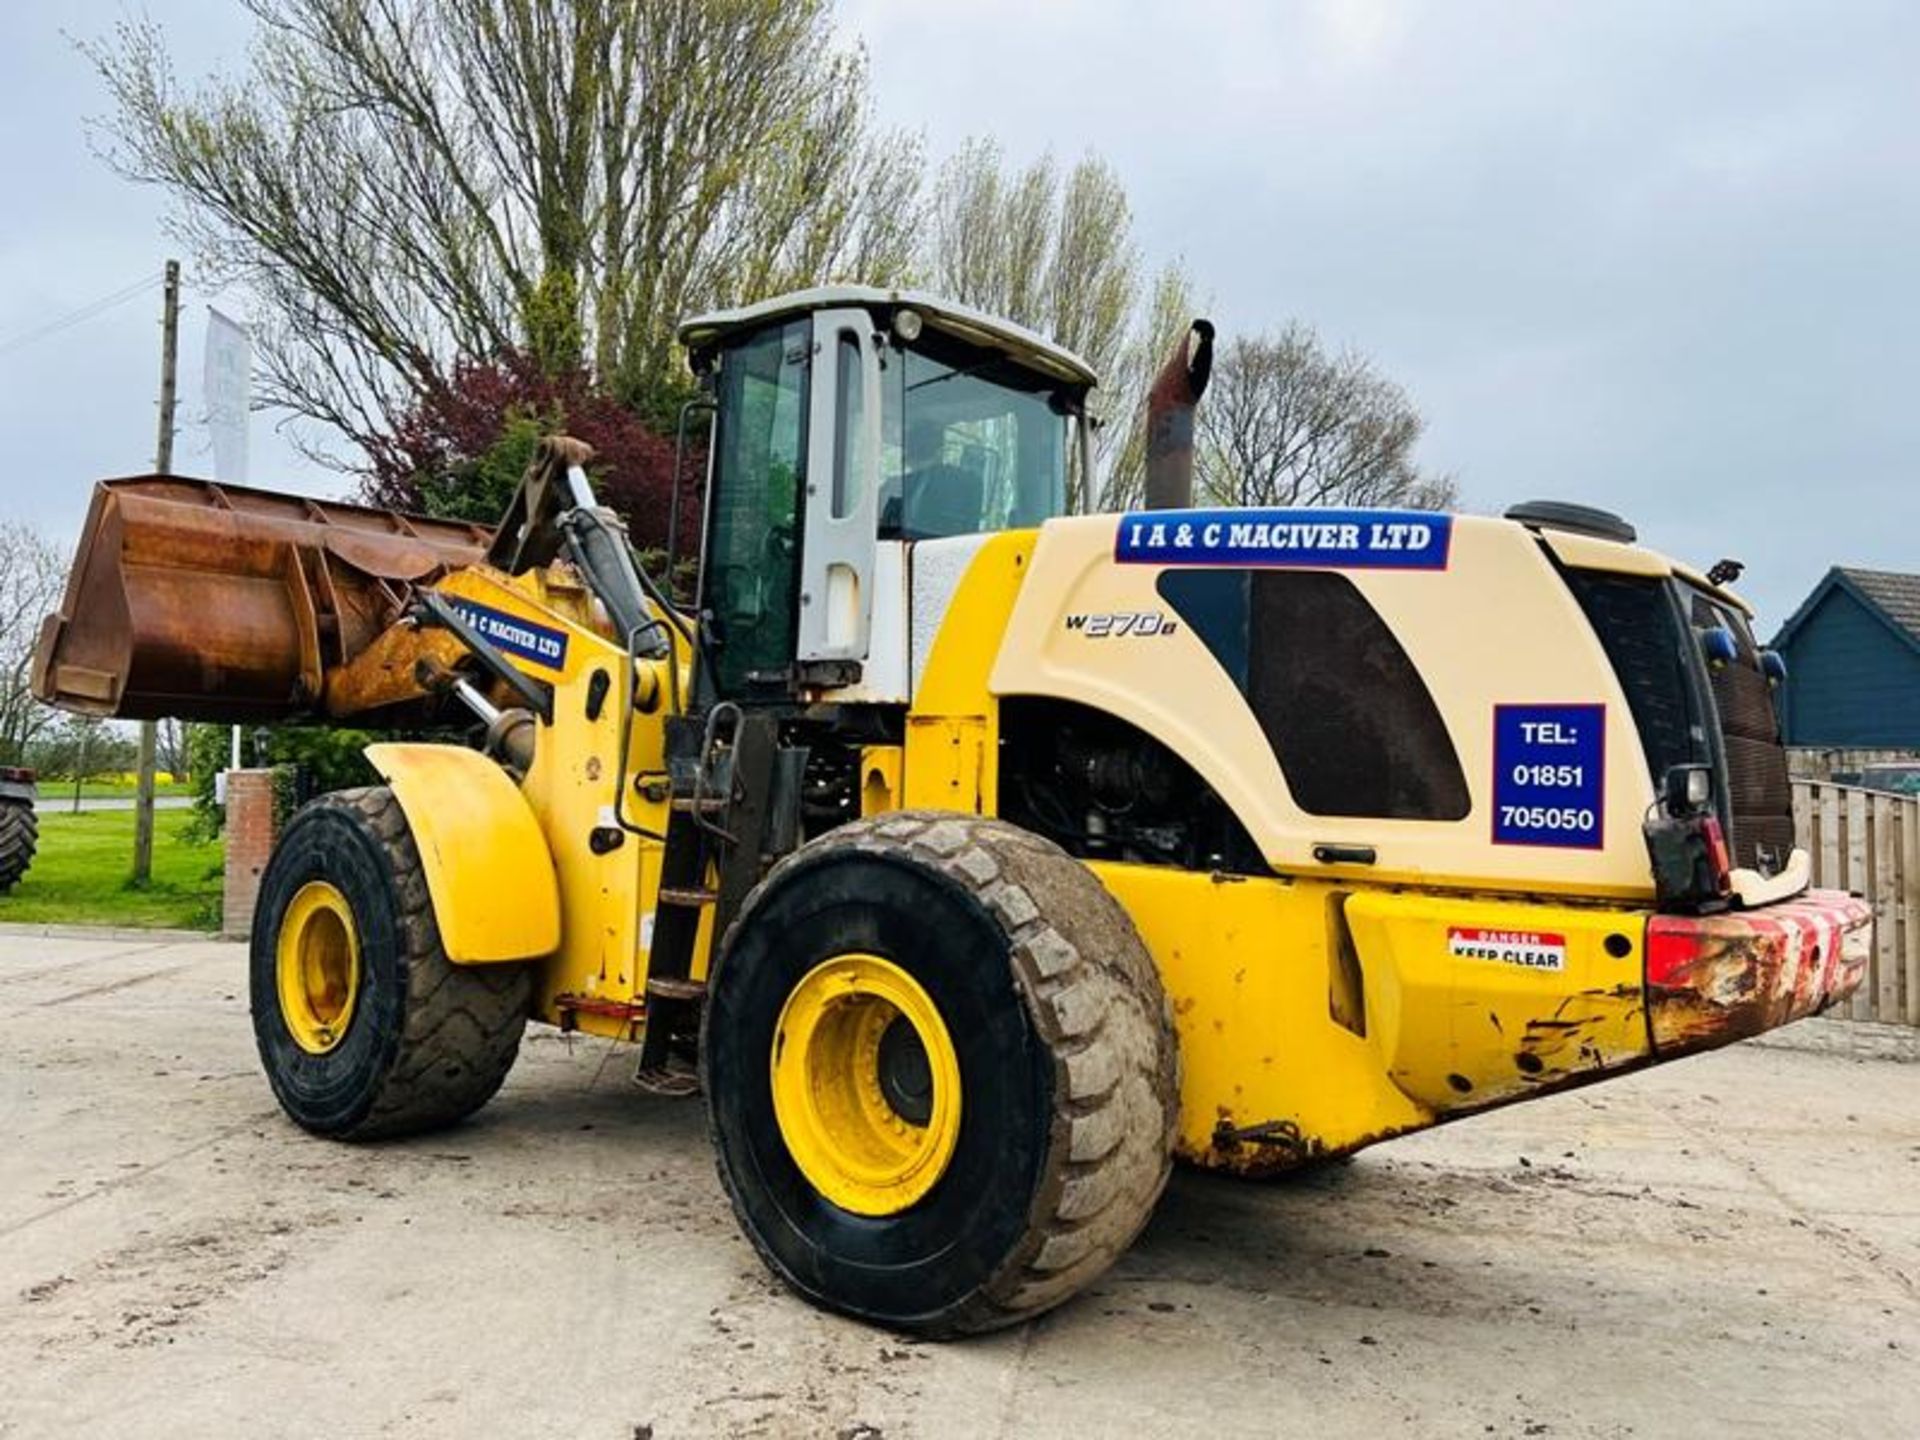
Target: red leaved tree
x,y
462,448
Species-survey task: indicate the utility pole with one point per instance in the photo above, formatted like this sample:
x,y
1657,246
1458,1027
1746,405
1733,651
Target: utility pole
x,y
162,465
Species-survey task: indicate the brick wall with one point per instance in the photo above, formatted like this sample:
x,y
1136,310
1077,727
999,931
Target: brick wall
x,y
249,843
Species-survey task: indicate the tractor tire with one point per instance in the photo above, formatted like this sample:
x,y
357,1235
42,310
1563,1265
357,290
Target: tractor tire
x,y
365,1028
1026,986
19,836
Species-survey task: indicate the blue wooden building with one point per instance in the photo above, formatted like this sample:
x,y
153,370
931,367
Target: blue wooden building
x,y
1853,663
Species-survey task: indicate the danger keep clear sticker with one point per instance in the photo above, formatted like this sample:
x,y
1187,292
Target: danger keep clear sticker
x,y
1528,949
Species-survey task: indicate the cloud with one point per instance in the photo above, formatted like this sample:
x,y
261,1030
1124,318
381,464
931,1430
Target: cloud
x,y
81,404
1650,256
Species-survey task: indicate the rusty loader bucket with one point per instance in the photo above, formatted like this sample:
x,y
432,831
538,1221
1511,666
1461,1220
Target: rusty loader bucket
x,y
210,602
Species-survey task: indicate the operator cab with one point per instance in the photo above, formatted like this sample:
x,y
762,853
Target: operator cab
x,y
853,424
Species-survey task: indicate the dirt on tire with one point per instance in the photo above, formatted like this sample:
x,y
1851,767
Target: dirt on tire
x,y
1095,1000
459,1026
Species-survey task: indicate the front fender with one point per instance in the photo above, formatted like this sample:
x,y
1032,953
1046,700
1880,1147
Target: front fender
x,y
489,871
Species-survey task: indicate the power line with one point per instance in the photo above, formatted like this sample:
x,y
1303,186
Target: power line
x,y
84,313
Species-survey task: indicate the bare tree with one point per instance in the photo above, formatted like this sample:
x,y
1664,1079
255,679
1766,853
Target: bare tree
x,y
32,573
407,182
1287,423
400,182
1053,254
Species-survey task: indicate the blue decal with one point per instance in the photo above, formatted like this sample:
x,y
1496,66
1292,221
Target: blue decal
x,y
1321,539
1549,775
520,638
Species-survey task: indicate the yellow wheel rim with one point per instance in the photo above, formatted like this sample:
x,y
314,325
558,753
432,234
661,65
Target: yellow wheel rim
x,y
317,967
866,1084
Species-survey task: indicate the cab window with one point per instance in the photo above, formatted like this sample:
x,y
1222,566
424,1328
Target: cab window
x,y
752,575
968,444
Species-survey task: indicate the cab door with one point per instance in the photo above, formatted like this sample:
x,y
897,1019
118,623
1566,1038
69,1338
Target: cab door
x,y
840,524
750,571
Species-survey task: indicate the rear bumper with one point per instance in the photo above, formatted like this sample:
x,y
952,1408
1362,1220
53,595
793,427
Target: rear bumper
x,y
1712,979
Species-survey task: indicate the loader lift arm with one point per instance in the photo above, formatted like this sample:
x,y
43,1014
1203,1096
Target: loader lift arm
x,y
554,511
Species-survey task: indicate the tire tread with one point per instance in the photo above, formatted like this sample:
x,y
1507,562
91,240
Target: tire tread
x,y
1091,988
463,1023
19,838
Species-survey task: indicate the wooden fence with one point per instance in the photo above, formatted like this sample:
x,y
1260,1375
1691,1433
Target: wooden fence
x,y
1869,842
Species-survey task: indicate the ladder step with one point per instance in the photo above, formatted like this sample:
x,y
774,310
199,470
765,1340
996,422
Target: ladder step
x,y
691,896
673,1081
668,987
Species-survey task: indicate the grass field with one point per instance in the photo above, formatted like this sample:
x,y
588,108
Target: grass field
x,y
79,876
52,792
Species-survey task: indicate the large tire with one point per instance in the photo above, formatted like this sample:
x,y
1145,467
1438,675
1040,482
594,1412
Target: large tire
x,y
19,834
1065,1061
425,1042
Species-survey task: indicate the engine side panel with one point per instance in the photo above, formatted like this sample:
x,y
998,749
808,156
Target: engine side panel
x,y
1495,629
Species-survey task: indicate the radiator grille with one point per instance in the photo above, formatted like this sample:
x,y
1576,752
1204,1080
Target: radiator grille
x,y
1637,626
1759,794
1653,646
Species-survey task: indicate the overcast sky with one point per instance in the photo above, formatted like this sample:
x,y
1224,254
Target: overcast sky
x,y
1655,257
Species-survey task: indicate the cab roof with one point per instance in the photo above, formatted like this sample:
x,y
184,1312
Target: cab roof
x,y
975,327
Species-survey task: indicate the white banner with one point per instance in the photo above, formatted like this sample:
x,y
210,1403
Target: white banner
x,y
227,387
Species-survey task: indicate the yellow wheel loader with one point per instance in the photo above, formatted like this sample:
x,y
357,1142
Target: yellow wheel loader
x,y
972,858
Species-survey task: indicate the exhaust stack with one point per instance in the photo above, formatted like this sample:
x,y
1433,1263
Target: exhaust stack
x,y
1176,390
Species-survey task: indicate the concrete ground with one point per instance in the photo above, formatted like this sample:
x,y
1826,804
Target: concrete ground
x,y
1729,1244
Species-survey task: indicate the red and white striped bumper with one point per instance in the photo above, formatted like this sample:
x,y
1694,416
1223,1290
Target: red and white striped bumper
x,y
1712,979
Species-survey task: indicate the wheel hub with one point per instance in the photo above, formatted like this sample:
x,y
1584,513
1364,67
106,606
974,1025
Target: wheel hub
x,y
906,1074
866,1084
317,967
